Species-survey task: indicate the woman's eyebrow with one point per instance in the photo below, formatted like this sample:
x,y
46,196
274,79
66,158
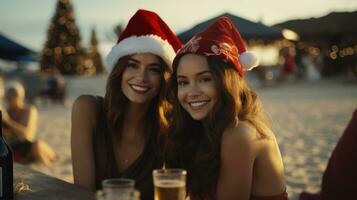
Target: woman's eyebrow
x,y
197,74
155,64
181,76
137,61
203,72
133,60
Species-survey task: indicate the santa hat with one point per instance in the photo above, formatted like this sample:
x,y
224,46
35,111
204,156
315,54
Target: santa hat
x,y
221,40
146,32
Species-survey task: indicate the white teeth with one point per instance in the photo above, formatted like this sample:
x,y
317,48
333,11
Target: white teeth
x,y
139,88
198,103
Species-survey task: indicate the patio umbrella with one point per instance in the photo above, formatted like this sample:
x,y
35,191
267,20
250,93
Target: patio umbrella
x,y
247,28
13,51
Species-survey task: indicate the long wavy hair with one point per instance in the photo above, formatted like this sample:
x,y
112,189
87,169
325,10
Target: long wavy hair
x,y
115,104
195,146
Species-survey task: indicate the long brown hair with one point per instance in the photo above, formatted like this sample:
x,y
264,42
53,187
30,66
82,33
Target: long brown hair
x,y
196,147
115,104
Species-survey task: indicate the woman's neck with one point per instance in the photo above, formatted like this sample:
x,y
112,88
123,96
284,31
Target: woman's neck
x,y
135,113
134,120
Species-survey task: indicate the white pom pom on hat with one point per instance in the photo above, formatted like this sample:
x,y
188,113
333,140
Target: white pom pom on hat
x,y
248,60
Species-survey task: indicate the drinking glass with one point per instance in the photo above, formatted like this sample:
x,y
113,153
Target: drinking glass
x,y
170,184
118,189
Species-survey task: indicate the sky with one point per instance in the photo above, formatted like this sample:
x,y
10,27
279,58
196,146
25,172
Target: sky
x,y
26,21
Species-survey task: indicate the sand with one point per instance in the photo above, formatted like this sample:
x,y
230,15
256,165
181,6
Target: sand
x,y
308,118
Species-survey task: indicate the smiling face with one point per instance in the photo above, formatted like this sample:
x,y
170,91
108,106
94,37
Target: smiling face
x,y
142,77
196,91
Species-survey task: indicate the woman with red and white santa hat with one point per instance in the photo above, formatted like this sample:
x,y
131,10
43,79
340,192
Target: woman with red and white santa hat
x,y
119,135
219,133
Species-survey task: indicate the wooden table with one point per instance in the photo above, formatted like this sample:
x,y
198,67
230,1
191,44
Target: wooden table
x,y
38,186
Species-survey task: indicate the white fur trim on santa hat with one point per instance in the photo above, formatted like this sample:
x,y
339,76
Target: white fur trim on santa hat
x,y
141,44
248,61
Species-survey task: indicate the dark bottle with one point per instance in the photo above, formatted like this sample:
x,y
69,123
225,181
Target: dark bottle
x,y
6,168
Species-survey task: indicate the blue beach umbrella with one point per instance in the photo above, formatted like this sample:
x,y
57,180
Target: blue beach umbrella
x,y
13,51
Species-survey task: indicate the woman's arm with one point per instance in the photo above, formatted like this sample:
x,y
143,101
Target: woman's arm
x,y
25,129
238,152
83,122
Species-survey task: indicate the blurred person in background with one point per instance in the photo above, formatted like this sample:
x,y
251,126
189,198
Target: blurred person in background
x,y
311,67
288,67
20,125
55,89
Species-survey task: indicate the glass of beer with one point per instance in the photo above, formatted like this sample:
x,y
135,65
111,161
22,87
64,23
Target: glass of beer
x,y
170,184
118,189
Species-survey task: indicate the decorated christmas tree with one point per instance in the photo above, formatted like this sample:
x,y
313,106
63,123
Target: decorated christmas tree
x,y
95,55
62,51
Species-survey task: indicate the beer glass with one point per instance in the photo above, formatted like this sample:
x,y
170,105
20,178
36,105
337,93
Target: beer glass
x,y
118,189
170,184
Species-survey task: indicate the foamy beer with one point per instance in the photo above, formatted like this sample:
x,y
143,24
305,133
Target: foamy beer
x,y
170,184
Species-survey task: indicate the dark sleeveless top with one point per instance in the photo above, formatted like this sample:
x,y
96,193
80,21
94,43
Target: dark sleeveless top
x,y
105,164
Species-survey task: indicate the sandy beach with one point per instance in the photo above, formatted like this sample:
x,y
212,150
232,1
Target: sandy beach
x,y
308,118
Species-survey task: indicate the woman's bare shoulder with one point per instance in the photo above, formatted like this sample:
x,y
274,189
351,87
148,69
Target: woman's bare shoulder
x,y
241,137
85,107
244,137
88,101
30,109
241,132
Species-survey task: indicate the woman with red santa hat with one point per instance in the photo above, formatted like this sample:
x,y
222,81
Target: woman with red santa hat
x,y
120,135
219,133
